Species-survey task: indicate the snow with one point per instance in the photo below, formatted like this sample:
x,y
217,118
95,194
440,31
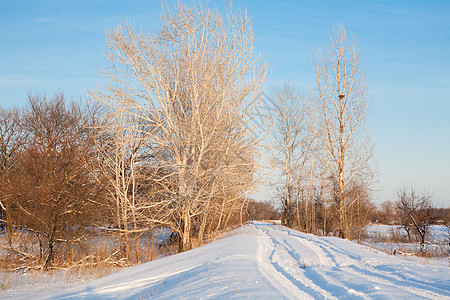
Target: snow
x,y
390,237
266,261
437,233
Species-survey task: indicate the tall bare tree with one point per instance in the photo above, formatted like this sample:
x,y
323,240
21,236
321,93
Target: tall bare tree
x,y
193,83
291,143
343,105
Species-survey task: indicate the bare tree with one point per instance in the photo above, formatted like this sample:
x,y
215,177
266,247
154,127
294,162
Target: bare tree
x,y
51,186
266,210
193,83
289,154
418,210
293,144
360,213
343,106
11,141
122,166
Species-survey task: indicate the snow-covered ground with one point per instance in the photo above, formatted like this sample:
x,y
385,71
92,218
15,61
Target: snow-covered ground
x,y
265,261
390,237
437,233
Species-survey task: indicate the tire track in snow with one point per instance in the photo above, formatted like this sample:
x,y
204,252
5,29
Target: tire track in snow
x,y
337,260
283,264
276,278
329,288
379,277
314,271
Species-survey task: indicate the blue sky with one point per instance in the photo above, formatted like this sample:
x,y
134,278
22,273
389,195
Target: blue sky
x,y
46,46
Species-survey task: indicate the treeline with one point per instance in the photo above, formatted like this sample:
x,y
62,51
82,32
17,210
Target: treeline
x,y
322,153
69,170
321,148
166,144
390,213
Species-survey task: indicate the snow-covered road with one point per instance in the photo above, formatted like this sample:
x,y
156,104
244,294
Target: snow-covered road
x,y
306,266
265,261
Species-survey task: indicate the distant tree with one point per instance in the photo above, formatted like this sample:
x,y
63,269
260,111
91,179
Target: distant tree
x,y
343,105
387,213
418,211
443,216
262,210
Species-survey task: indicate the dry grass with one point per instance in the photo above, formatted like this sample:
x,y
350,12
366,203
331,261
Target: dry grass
x,y
17,273
96,257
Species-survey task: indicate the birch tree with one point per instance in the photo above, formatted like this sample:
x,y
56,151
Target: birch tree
x,y
194,83
343,105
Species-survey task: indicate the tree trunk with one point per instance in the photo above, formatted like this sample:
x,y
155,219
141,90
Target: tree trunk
x,y
184,240
287,188
9,225
422,243
49,259
201,231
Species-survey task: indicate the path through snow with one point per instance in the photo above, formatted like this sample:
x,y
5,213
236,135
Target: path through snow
x,y
266,261
330,268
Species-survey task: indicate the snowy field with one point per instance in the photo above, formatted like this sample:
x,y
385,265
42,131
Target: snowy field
x,y
438,233
390,237
265,261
